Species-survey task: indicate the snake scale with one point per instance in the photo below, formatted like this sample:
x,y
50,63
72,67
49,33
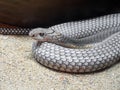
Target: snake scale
x,y
76,47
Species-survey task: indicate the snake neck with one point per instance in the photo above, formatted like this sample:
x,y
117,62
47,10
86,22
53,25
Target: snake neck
x,y
92,39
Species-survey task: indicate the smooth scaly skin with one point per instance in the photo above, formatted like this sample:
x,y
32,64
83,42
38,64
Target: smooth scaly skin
x,y
15,31
99,56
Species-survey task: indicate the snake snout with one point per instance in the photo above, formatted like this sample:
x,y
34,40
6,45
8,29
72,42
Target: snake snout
x,y
31,34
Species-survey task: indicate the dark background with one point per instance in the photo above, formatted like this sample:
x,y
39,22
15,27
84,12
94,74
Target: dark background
x,y
44,13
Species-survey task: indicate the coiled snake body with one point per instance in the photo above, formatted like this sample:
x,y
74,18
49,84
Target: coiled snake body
x,y
83,46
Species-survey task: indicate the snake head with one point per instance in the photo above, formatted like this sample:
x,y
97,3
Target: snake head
x,y
44,35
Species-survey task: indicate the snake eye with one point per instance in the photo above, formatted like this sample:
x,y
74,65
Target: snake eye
x,y
41,34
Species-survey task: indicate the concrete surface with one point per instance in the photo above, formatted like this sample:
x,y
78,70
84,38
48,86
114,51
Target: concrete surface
x,y
19,71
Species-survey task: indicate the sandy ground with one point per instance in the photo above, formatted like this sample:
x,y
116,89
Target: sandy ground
x,y
19,71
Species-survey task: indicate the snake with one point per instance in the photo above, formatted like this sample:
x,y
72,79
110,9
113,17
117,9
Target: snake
x,y
78,46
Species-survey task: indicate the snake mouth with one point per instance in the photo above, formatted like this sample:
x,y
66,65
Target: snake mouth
x,y
41,39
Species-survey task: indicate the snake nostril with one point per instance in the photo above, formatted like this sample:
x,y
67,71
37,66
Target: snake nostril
x,y
33,35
